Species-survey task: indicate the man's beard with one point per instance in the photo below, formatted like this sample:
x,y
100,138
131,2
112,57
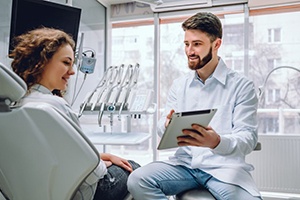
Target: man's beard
x,y
202,62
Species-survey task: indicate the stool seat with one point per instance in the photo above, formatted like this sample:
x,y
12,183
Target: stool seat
x,y
202,193
195,194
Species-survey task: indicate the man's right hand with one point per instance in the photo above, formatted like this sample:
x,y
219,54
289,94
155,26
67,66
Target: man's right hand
x,y
168,118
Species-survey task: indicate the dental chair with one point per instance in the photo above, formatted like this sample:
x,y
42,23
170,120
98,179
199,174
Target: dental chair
x,y
202,193
43,155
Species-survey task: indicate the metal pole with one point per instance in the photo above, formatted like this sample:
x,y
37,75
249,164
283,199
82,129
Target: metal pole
x,y
156,84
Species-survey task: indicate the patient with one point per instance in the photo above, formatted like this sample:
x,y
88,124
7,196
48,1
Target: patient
x,y
44,59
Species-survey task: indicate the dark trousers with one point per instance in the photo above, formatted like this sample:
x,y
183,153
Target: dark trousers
x,y
113,186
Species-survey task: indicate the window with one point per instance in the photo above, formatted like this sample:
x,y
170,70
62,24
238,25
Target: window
x,y
271,125
274,35
273,96
272,63
131,40
131,45
263,51
277,49
233,34
235,64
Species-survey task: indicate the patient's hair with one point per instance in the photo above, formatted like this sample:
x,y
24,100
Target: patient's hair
x,y
33,50
207,23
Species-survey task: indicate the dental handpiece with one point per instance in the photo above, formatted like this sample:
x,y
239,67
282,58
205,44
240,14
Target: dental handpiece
x,y
132,82
107,95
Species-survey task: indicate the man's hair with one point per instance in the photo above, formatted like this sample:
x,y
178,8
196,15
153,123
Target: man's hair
x,y
206,22
33,50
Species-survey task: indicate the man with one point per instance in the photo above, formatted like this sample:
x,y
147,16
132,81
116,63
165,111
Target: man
x,y
213,156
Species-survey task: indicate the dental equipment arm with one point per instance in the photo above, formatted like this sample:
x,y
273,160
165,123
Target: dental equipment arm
x,y
107,95
111,107
132,82
88,98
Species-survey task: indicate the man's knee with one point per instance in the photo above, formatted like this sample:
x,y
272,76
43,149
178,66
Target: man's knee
x,y
134,179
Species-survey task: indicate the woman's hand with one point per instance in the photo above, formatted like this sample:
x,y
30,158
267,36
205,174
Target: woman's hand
x,y
109,158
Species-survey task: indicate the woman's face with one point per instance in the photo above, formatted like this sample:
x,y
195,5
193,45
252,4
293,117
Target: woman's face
x,y
59,69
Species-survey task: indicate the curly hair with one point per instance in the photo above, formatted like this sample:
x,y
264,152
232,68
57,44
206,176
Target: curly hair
x,y
33,50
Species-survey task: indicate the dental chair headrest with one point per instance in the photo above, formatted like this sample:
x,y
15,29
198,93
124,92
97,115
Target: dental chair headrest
x,y
12,87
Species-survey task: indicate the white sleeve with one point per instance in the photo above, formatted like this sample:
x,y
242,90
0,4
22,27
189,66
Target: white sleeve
x,y
97,174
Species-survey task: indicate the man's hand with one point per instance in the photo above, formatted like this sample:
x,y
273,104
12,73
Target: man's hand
x,y
168,118
199,136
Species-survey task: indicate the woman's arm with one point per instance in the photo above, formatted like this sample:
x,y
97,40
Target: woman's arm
x,y
110,159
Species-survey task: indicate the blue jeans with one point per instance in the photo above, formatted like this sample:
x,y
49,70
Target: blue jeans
x,y
113,185
158,180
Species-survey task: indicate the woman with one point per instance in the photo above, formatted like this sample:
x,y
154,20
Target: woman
x,y
44,59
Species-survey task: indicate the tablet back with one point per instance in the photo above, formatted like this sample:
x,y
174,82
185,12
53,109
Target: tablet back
x,y
184,120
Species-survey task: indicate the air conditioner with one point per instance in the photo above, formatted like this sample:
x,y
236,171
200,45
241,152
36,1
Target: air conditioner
x,y
173,5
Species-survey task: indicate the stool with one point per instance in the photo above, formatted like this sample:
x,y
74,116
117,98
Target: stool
x,y
195,194
202,193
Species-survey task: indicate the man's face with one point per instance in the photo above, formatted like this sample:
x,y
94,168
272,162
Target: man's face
x,y
198,49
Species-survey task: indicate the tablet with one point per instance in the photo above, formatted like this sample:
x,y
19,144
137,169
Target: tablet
x,y
183,120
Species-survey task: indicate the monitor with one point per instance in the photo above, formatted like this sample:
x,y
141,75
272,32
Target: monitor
x,y
27,15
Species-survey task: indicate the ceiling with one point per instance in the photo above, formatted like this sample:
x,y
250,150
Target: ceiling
x,y
111,2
